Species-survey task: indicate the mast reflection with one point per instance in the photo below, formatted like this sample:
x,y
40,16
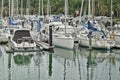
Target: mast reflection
x,y
89,66
23,59
50,64
9,67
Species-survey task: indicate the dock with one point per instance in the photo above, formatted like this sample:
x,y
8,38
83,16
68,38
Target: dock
x,y
45,45
21,50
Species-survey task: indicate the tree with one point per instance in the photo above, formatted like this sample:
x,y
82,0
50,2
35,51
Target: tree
x,y
102,7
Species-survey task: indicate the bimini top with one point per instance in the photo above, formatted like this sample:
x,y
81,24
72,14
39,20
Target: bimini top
x,y
22,35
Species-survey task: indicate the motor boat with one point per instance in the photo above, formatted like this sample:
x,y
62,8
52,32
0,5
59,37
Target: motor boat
x,y
22,40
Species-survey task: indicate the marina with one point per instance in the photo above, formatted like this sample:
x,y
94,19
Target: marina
x,y
60,40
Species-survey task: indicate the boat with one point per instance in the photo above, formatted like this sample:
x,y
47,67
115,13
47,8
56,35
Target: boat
x,y
93,34
3,38
99,40
116,36
114,31
59,37
63,40
22,40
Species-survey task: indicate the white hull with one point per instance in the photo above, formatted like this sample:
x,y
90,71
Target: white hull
x,y
25,45
103,44
3,38
117,43
22,40
65,42
117,40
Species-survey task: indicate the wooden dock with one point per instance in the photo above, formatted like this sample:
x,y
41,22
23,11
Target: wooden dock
x,y
45,45
8,50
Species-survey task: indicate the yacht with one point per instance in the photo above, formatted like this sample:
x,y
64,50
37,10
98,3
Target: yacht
x,y
22,40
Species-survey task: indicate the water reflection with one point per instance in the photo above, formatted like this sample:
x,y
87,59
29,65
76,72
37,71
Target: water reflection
x,y
62,64
64,53
21,59
0,53
64,78
9,67
50,64
66,58
99,63
38,61
89,66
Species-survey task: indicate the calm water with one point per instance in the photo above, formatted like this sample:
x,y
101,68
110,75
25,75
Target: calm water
x,y
62,64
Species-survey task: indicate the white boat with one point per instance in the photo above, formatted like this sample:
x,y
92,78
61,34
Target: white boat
x,y
60,37
116,36
63,38
98,41
3,38
22,40
64,41
61,32
97,31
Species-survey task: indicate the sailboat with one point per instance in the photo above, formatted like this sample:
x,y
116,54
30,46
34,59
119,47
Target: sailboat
x,y
61,32
64,40
115,33
2,9
99,39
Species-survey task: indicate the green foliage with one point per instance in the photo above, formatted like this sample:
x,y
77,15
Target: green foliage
x,y
101,7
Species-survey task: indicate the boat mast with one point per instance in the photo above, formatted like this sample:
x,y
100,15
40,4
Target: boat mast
x,y
42,8
9,7
17,7
27,7
89,9
39,7
21,7
48,7
65,14
2,9
93,9
12,8
111,13
81,12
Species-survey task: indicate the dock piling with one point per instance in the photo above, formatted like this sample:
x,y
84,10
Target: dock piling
x,y
90,42
9,48
9,44
50,37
